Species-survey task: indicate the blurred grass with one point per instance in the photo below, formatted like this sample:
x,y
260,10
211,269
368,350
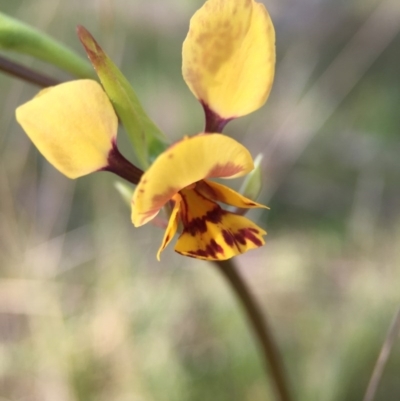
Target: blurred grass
x,y
86,312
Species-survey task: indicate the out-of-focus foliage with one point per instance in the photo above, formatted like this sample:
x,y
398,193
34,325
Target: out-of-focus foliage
x,y
86,312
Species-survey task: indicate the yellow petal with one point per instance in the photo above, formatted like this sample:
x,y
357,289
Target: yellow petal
x,y
186,162
211,233
221,193
172,225
229,56
73,126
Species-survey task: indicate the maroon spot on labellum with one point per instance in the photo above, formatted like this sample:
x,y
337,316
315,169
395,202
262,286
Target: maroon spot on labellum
x,y
199,252
170,156
228,238
215,216
250,203
248,234
199,224
141,190
240,238
218,248
254,230
210,251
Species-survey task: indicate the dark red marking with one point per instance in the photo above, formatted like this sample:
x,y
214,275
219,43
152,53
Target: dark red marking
x,y
199,224
218,248
228,238
248,234
214,122
240,238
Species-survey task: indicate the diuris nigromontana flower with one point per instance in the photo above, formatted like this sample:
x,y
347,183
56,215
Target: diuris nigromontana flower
x,y
228,63
181,176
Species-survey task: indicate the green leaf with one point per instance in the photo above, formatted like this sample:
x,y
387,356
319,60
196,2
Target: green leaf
x,y
147,140
19,37
252,185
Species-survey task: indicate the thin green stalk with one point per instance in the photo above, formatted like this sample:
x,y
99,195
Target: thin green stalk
x,y
262,331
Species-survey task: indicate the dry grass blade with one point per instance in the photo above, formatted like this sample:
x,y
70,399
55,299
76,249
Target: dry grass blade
x,y
391,337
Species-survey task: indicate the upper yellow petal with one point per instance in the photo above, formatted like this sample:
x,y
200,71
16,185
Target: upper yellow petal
x,y
186,162
229,56
72,125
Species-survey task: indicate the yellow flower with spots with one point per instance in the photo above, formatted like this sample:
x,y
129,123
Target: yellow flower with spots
x,y
228,63
181,176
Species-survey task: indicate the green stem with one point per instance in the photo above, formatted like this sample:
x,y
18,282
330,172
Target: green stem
x,y
271,356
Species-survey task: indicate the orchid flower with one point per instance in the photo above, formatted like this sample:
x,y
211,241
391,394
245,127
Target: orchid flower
x,y
181,176
228,64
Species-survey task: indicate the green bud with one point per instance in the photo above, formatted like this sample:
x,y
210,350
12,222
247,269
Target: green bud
x,y
146,138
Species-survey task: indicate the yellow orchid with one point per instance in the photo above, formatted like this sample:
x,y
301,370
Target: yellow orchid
x,y
228,63
181,176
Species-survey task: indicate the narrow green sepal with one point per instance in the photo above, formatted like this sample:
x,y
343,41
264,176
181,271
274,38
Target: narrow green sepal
x,y
19,37
252,185
147,140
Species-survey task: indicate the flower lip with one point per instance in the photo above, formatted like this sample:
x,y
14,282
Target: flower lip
x,y
211,233
186,162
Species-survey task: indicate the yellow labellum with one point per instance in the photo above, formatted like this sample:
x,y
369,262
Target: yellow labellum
x,y
73,125
229,56
211,233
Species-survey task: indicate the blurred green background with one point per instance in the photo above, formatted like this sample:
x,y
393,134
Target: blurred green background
x,y
86,311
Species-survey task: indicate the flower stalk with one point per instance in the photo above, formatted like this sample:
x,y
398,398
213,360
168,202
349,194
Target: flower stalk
x,y
27,74
272,359
122,167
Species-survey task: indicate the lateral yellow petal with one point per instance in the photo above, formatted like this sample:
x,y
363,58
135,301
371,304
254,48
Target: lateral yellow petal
x,y
172,225
211,233
73,126
229,56
184,163
221,193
